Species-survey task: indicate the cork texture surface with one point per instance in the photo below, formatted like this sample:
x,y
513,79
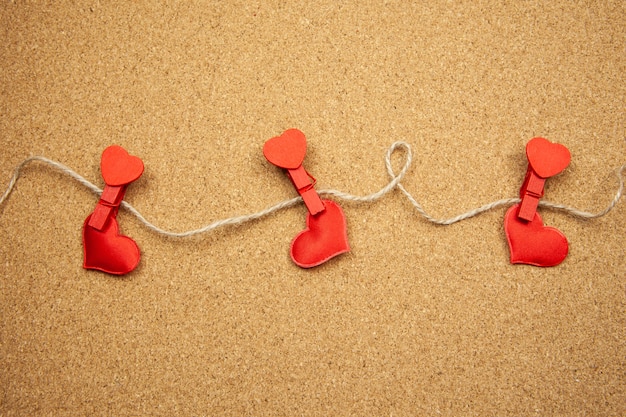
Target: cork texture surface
x,y
417,319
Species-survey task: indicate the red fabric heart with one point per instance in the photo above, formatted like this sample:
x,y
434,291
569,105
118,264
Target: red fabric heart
x,y
324,237
118,167
532,243
287,150
107,250
546,158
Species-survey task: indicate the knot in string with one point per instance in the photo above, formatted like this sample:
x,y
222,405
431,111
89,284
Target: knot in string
x,y
395,179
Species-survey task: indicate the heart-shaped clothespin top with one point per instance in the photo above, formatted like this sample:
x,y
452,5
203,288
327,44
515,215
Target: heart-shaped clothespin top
x,y
532,243
546,158
287,150
324,237
118,167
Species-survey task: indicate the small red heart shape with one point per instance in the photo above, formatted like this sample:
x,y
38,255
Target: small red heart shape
x,y
324,237
546,158
287,150
118,167
107,250
532,243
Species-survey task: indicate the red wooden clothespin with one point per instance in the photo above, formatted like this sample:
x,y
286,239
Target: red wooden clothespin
x,y
325,235
104,248
118,170
545,159
530,242
287,151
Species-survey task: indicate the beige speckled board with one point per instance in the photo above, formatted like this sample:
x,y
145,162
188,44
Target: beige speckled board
x,y
417,319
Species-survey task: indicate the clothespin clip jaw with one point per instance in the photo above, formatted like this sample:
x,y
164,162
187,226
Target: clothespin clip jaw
x,y
305,185
287,151
530,193
545,159
108,206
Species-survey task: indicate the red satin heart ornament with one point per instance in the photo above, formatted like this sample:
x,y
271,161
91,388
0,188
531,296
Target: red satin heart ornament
x,y
546,158
118,167
324,237
287,150
107,250
532,243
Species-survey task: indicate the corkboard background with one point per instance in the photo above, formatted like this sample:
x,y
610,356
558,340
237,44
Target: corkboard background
x,y
417,319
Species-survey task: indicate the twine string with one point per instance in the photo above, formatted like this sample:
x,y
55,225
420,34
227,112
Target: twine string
x,y
394,182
